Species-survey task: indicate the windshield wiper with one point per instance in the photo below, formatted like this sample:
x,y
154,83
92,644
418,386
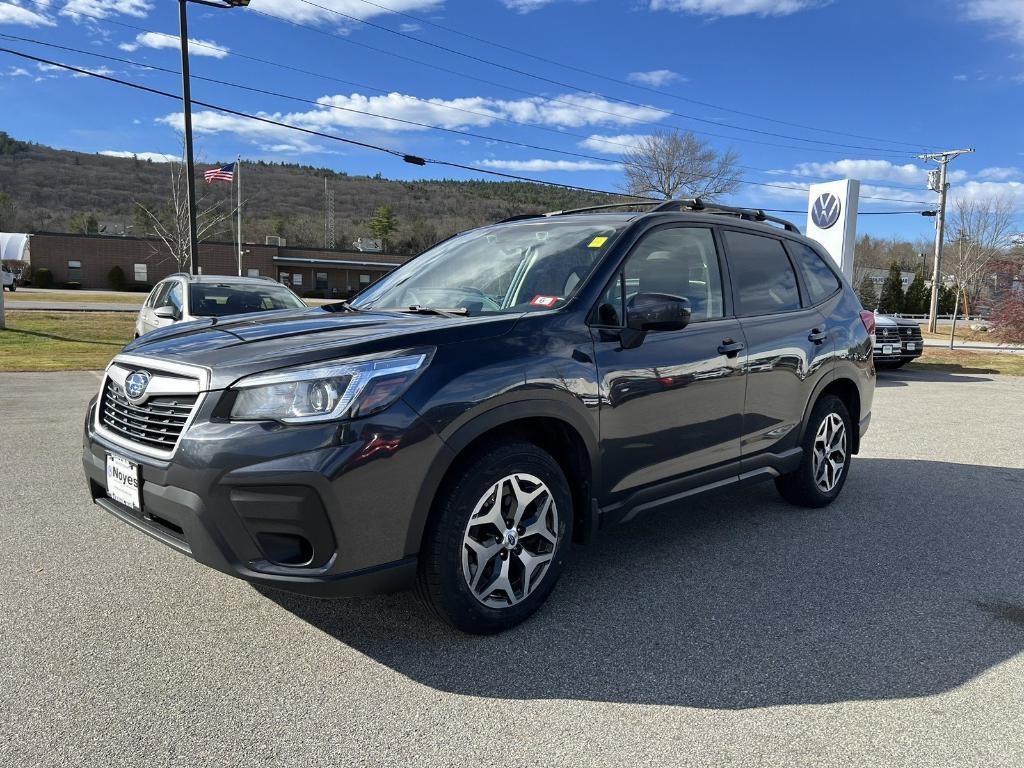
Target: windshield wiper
x,y
416,309
341,306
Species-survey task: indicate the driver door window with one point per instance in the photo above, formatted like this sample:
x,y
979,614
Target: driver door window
x,y
680,261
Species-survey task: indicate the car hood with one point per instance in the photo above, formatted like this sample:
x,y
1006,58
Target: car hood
x,y
232,347
890,321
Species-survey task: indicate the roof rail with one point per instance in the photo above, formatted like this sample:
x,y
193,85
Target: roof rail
x,y
747,214
688,204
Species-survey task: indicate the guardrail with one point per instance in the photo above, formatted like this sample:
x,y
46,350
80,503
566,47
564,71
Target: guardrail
x,y
959,318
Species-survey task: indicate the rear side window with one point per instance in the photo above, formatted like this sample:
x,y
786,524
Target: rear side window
x,y
763,278
819,280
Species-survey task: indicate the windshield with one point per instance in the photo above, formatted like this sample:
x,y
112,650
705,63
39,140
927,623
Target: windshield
x,y
513,267
217,300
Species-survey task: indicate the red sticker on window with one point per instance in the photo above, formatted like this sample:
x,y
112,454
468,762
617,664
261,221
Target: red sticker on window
x,y
544,301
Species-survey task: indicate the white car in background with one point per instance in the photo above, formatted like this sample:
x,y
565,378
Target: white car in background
x,y
183,297
898,341
10,279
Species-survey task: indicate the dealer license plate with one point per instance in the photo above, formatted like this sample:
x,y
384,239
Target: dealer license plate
x,y
123,481
911,346
886,350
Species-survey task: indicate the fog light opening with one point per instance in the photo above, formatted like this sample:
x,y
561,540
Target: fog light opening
x,y
286,549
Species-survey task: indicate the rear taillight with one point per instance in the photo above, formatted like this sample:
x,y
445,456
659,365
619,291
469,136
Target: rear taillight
x,y
868,318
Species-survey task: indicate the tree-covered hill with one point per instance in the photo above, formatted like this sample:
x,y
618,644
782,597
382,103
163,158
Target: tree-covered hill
x,y
59,190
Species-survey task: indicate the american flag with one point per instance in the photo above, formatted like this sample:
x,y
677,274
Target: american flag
x,y
224,173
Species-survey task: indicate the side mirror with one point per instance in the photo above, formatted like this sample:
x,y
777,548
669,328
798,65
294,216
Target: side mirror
x,y
167,313
657,312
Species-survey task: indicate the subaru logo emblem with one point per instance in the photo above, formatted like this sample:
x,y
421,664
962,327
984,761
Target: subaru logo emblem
x,y
825,212
135,386
510,538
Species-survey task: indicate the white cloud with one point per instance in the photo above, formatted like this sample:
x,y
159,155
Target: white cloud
x,y
1012,191
717,8
525,6
409,28
281,148
295,10
960,78
158,41
261,134
547,165
470,112
85,9
656,78
613,145
97,71
1006,15
998,174
13,13
156,157
871,170
18,72
575,110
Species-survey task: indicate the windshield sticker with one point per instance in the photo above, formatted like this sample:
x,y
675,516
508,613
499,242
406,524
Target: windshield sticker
x,y
597,242
545,301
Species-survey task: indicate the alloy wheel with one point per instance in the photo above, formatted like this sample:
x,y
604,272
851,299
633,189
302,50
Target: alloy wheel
x,y
829,452
510,540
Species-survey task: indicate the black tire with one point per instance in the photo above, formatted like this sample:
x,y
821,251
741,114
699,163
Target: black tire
x,y
800,487
14,287
441,585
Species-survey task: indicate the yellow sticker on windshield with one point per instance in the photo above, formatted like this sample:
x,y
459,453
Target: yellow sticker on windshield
x,y
597,242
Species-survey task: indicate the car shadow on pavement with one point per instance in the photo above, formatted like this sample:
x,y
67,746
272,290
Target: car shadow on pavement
x,y
907,586
900,376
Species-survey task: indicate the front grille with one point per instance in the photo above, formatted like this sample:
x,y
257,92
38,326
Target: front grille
x,y
910,333
157,423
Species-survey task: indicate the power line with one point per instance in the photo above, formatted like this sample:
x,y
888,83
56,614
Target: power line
x,y
639,86
299,70
576,106
512,142
562,84
409,158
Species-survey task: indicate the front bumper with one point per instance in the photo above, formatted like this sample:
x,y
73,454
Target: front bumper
x,y
324,510
898,350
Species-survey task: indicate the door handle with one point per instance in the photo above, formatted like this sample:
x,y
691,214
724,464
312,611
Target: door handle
x,y
730,348
818,336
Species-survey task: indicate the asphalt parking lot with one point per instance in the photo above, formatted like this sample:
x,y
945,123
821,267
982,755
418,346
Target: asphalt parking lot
x,y
884,631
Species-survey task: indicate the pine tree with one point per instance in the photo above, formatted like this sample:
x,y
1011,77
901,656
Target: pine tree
x,y
867,293
383,224
892,297
918,297
947,300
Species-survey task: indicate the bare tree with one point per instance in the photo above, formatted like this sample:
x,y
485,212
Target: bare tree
x,y
670,163
170,223
983,230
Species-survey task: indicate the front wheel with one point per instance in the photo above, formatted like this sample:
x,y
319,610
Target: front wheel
x,y
826,457
14,287
498,539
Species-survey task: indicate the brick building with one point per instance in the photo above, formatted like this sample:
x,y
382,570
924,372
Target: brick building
x,y
88,259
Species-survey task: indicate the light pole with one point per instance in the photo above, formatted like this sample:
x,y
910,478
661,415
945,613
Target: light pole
x,y
186,99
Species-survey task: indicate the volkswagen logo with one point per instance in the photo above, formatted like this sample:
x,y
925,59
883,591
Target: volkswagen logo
x,y
135,386
825,212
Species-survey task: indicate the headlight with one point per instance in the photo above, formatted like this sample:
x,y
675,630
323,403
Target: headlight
x,y
328,391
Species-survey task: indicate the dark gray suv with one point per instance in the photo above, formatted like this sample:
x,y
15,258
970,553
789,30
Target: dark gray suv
x,y
512,390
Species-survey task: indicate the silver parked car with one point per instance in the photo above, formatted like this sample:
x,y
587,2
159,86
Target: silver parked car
x,y
182,297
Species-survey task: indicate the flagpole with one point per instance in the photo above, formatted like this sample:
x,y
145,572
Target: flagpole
x,y
238,175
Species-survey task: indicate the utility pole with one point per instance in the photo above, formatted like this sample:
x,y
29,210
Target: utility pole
x,y
190,166
940,185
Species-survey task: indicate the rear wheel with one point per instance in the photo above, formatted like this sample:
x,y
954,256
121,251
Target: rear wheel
x,y
498,539
826,457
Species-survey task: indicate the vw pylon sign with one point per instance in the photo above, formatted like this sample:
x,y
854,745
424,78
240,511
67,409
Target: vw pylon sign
x,y
832,220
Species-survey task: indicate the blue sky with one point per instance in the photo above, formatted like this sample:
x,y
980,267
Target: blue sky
x,y
909,74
